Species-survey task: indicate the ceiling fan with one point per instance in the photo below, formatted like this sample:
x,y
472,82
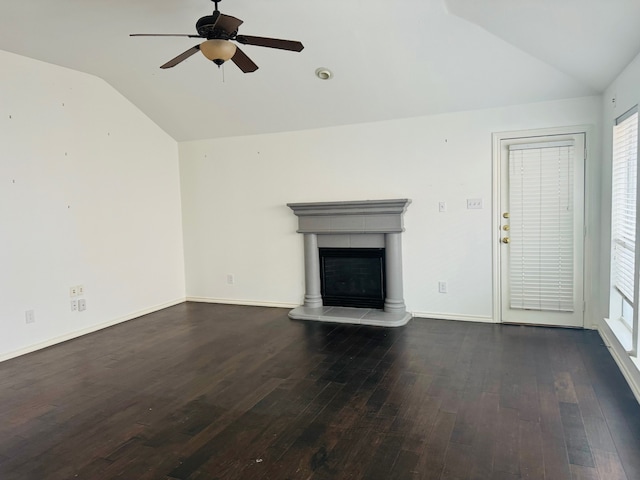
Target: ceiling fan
x,y
219,29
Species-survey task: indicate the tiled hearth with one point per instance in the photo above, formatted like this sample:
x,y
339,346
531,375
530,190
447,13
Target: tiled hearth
x,y
353,224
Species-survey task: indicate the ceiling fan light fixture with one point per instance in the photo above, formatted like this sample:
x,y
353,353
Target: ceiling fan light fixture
x,y
218,51
217,30
324,73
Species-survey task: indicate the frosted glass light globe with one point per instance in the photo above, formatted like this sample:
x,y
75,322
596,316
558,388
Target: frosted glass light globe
x,y
218,51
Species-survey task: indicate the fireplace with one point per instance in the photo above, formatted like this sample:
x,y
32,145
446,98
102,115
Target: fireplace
x,y
352,277
353,227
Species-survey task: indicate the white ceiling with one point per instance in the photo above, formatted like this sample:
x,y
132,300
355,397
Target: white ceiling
x,y
390,59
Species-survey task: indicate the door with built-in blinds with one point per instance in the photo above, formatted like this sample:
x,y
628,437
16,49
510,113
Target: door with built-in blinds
x,y
542,230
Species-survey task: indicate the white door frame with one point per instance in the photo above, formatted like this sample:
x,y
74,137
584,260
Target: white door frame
x,y
496,223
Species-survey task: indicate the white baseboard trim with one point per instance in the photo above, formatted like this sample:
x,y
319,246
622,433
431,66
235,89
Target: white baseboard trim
x,y
456,316
630,370
256,303
248,303
85,331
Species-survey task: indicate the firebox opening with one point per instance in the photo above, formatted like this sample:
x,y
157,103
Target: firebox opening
x,y
352,277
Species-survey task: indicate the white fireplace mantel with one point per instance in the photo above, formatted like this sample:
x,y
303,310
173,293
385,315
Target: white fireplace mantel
x,y
353,223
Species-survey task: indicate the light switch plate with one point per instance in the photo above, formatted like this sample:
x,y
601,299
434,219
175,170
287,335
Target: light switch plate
x,y
474,203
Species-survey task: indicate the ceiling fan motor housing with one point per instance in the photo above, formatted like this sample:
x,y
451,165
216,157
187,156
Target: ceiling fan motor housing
x,y
206,27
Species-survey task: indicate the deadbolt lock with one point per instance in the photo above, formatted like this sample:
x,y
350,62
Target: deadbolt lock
x,y
505,215
505,240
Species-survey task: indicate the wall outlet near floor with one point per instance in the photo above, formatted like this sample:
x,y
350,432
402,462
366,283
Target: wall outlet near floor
x,y
82,305
442,207
474,203
30,316
442,287
230,279
74,305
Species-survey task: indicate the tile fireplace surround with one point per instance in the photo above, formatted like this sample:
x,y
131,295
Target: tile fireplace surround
x,y
352,224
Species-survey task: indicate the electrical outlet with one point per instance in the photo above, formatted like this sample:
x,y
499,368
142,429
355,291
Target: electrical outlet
x,y
442,287
73,291
82,305
30,316
230,279
442,207
74,305
474,203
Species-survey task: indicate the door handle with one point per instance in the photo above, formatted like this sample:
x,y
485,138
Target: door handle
x,y
506,239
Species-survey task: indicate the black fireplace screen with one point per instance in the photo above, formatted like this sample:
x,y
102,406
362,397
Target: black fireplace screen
x,y
352,277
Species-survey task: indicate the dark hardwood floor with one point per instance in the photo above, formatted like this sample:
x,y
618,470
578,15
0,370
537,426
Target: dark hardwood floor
x,y
201,391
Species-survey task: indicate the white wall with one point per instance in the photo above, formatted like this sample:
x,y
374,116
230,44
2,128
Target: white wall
x,y
236,220
89,194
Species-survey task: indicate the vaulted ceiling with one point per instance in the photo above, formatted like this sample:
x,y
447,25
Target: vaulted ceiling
x,y
390,59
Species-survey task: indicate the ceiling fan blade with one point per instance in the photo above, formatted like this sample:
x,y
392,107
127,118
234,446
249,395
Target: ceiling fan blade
x,y
183,56
243,62
228,23
164,35
292,45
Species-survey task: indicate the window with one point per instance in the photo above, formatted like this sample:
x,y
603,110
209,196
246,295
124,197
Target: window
x,y
623,218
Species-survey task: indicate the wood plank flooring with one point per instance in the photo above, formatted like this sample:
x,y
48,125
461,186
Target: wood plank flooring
x,y
202,391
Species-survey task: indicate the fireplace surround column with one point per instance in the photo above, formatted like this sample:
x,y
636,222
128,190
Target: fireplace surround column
x,y
312,296
394,303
